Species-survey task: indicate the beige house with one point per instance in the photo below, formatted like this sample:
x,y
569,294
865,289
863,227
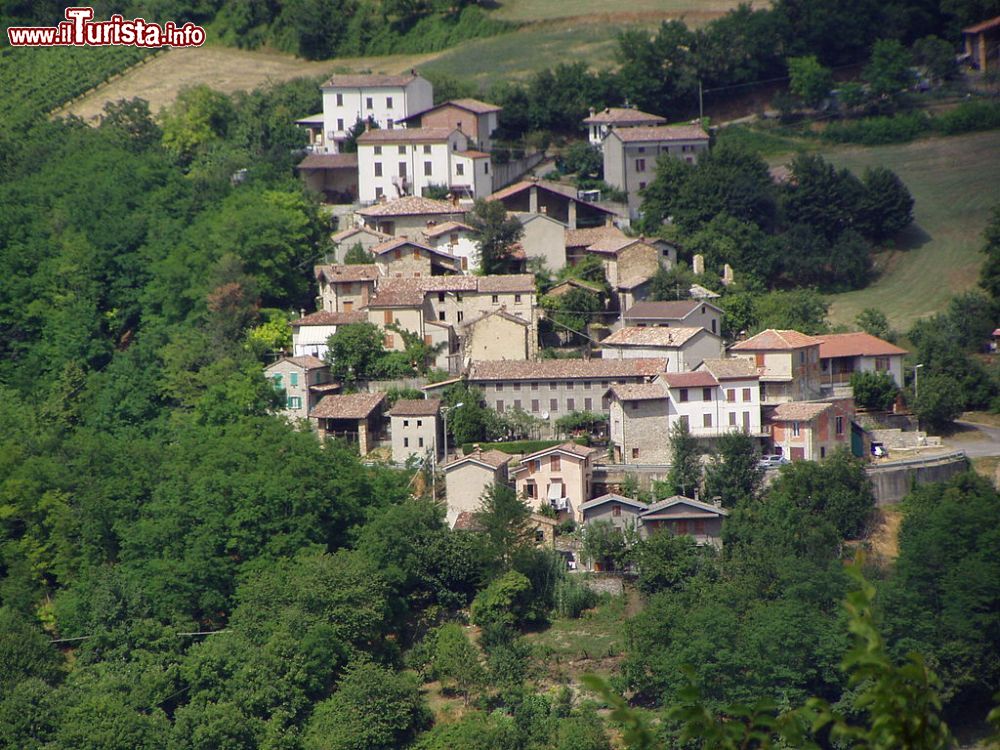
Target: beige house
x,y
559,201
304,380
496,335
477,120
354,417
402,258
544,238
415,429
469,476
560,477
683,516
810,430
683,348
688,313
345,289
599,124
408,216
630,155
311,332
333,176
620,511
843,354
358,235
454,239
788,362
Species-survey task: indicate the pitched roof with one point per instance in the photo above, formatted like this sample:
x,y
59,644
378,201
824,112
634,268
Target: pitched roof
x,y
776,340
445,227
326,318
613,498
622,116
574,449
409,205
858,344
588,236
697,291
329,161
405,135
732,368
638,278
610,244
415,407
492,459
471,153
564,286
368,80
556,369
510,282
566,191
305,361
666,310
651,336
347,406
669,502
467,521
472,105
397,293
697,379
798,411
501,313
661,133
351,231
397,242
340,273
639,391
982,26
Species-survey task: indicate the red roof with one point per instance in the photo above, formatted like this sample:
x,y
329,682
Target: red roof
x,y
368,80
406,135
982,26
858,344
623,116
325,318
661,133
347,406
775,340
415,407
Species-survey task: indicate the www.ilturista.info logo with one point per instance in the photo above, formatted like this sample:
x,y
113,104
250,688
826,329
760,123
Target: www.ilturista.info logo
x,y
79,30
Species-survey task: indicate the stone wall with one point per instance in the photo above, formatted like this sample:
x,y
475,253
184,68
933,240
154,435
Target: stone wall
x,y
891,482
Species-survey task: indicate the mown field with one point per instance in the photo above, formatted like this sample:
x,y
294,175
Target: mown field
x,y
539,10
954,182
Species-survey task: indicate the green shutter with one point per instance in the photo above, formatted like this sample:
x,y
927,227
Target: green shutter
x,y
294,378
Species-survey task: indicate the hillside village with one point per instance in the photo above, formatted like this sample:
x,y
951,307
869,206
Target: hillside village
x,y
658,366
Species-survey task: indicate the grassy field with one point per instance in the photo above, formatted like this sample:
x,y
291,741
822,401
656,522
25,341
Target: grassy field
x,y
954,183
540,10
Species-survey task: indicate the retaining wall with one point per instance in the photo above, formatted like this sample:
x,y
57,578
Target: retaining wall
x,y
891,482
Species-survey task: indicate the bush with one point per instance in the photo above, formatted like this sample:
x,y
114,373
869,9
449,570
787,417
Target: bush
x,y
874,131
573,597
969,117
939,402
874,390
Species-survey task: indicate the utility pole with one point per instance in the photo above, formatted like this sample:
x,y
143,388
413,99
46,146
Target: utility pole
x,y
701,106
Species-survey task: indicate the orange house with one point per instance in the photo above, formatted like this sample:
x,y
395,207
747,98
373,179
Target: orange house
x,y
811,430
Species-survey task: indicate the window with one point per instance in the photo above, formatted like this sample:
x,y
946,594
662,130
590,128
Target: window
x,y
531,490
406,423
378,169
517,299
402,169
517,403
732,419
486,167
416,252
500,406
746,394
553,404
730,395
795,429
369,104
555,463
586,385
802,357
822,451
706,420
397,254
635,453
634,404
379,192
571,404
499,387
465,263
616,510
588,404
388,124
881,364
706,394
569,385
420,442
714,322
340,100
840,425
389,341
293,378
340,124
746,421
427,148
685,421
495,299
388,102
534,404
534,386
387,317
441,315
461,316
641,149
683,396
453,238
294,402
402,150
460,170
640,165
378,150
406,442
440,296
517,386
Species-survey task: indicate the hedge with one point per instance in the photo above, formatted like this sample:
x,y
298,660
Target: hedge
x,y
518,446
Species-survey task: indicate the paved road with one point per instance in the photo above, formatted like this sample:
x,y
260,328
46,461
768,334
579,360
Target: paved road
x,y
985,443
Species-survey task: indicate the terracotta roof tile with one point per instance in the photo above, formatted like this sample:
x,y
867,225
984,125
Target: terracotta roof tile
x,y
492,458
733,368
798,411
410,205
581,451
472,105
415,407
639,391
306,362
651,336
329,161
669,502
512,282
776,340
661,133
471,153
501,313
467,521
339,274
697,379
668,310
857,344
588,236
326,318
405,135
397,293
351,231
564,369
445,227
566,191
623,116
368,80
613,498
347,406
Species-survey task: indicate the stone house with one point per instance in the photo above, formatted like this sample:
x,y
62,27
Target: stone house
x,y
311,332
345,289
354,417
357,235
639,423
469,476
599,124
843,354
402,258
683,348
686,313
496,335
477,120
561,202
630,155
544,238
560,477
415,428
683,516
302,378
456,240
552,388
408,216
810,430
620,511
788,363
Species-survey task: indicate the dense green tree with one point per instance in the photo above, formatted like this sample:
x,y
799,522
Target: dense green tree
x,y
658,72
505,521
606,545
810,81
888,71
504,604
456,660
936,56
355,352
667,562
821,197
495,233
357,255
939,401
198,118
989,277
684,477
24,652
873,321
874,390
734,475
473,421
886,206
573,311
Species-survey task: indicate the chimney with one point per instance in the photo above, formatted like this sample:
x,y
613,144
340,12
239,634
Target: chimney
x,y
592,112
368,125
544,209
609,221
302,312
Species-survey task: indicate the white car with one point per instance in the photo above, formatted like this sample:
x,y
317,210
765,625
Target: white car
x,y
772,461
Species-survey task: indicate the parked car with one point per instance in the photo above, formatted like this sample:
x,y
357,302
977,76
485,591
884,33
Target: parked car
x,y
772,461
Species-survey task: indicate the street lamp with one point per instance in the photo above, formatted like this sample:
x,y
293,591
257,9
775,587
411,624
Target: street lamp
x,y
916,381
444,413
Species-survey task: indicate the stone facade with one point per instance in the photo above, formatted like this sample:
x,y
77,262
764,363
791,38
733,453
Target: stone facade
x,y
296,376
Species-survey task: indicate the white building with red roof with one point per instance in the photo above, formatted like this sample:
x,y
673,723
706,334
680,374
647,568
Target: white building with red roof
x,y
599,124
843,354
684,348
788,363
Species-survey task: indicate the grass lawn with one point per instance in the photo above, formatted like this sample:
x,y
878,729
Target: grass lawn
x,y
540,10
954,183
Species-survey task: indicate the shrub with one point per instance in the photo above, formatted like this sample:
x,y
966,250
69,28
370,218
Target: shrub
x,y
969,117
874,390
573,597
874,131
